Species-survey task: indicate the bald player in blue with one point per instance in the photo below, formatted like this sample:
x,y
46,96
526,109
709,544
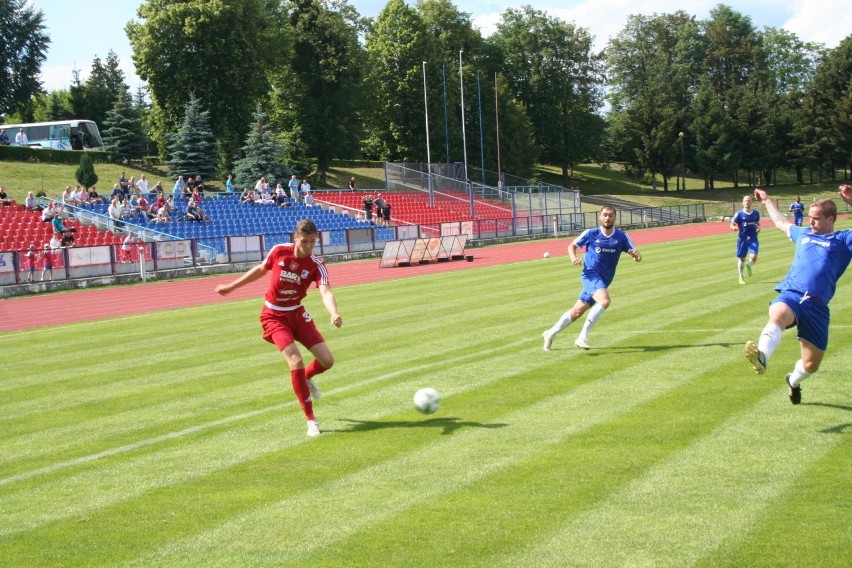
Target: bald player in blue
x,y
822,255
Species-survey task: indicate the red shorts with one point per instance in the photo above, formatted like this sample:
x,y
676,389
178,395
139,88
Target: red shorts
x,y
283,328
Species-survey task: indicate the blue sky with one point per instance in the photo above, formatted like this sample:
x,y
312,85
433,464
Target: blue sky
x,y
71,24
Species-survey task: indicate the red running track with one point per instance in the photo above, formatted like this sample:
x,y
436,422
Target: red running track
x,y
26,312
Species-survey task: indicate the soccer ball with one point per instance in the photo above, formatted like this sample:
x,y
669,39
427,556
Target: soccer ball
x,y
547,255
427,400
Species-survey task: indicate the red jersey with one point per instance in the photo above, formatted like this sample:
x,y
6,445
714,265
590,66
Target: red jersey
x,y
291,276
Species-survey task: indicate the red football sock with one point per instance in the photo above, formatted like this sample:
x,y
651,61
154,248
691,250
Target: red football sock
x,y
314,369
303,393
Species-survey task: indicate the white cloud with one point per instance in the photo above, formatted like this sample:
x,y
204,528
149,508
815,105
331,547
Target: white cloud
x,y
821,21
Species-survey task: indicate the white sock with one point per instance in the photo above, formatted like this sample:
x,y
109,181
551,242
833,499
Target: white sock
x,y
740,265
563,322
591,319
799,374
769,339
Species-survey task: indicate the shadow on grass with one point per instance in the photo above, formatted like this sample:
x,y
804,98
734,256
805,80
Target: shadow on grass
x,y
448,425
597,351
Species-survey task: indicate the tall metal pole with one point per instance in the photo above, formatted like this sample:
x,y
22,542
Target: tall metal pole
x,y
446,114
464,136
481,138
497,122
428,148
682,170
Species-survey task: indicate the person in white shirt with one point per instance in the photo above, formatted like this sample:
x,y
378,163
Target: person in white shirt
x,y
21,138
142,184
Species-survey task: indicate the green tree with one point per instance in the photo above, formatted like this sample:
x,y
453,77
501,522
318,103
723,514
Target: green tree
x,y
94,98
396,46
825,132
552,70
325,74
263,154
652,70
23,49
193,148
122,131
55,105
220,50
85,173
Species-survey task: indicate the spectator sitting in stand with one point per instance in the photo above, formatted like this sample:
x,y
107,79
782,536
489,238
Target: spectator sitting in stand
x,y
309,199
162,215
49,212
67,195
77,196
247,197
116,192
280,195
94,197
156,190
265,197
31,203
84,196
193,213
5,200
131,185
59,227
67,240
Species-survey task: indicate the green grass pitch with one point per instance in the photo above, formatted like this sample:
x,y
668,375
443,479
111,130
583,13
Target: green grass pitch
x,y
174,439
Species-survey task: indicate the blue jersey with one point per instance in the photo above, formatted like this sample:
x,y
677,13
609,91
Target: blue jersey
x,y
798,210
819,263
748,224
603,252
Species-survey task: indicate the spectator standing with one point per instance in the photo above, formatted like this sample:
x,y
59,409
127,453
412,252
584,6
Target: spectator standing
x,y
352,185
116,192
114,212
378,203
309,199
293,186
386,212
30,259
179,188
229,184
304,189
67,240
124,185
368,208
21,138
47,262
126,244
5,200
4,138
292,269
142,185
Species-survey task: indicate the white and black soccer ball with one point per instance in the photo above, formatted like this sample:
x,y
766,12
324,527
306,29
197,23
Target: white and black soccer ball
x,y
427,400
547,255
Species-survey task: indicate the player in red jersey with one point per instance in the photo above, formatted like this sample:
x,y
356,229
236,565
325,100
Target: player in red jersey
x,y
293,269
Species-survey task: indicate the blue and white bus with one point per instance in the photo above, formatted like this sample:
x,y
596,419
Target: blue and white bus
x,y
59,135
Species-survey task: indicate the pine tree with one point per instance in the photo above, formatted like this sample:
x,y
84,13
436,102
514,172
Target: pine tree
x,y
264,154
85,173
193,149
123,135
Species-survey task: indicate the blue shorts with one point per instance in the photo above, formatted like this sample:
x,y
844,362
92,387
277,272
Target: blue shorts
x,y
592,282
746,246
812,317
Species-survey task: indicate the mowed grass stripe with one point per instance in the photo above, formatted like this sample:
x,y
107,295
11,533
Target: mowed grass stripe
x,y
470,344
459,459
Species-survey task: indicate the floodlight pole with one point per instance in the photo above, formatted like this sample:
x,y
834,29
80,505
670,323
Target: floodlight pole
x,y
682,171
497,123
428,148
464,135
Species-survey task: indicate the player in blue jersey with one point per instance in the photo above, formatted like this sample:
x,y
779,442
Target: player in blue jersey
x,y
604,246
822,255
747,222
798,209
